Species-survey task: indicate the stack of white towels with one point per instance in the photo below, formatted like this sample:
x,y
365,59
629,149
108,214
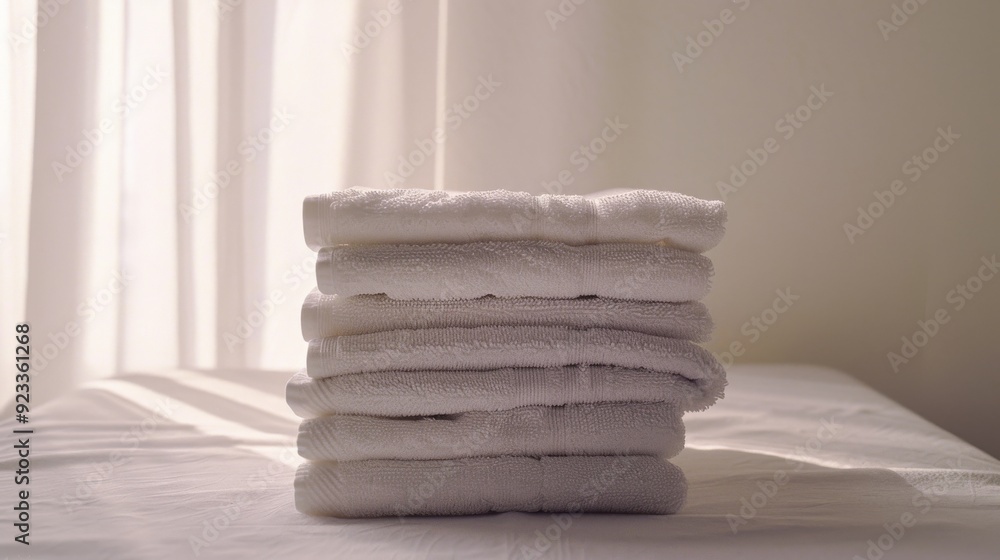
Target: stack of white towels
x,y
498,351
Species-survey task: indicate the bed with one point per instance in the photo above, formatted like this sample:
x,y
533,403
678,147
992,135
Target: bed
x,y
796,462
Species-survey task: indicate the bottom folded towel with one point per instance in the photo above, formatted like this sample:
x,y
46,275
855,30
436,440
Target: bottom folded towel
x,y
585,429
379,488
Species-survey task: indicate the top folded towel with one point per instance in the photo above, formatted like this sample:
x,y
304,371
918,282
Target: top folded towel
x,y
365,216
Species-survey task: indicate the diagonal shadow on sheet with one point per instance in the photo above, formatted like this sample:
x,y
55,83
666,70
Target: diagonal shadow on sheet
x,y
248,408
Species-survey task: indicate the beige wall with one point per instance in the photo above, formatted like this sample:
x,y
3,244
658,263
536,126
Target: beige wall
x,y
941,68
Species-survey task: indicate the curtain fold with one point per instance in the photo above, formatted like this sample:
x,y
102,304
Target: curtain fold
x,y
17,100
148,219
149,204
196,89
72,295
248,125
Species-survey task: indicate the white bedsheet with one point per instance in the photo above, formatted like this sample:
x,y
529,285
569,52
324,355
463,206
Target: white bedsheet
x,y
144,465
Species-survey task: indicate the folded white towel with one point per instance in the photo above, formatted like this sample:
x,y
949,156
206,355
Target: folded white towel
x,y
360,216
582,429
330,315
420,393
515,269
378,488
483,348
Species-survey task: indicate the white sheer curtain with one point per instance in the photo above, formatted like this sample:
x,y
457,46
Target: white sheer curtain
x,y
152,172
17,87
163,150
164,147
